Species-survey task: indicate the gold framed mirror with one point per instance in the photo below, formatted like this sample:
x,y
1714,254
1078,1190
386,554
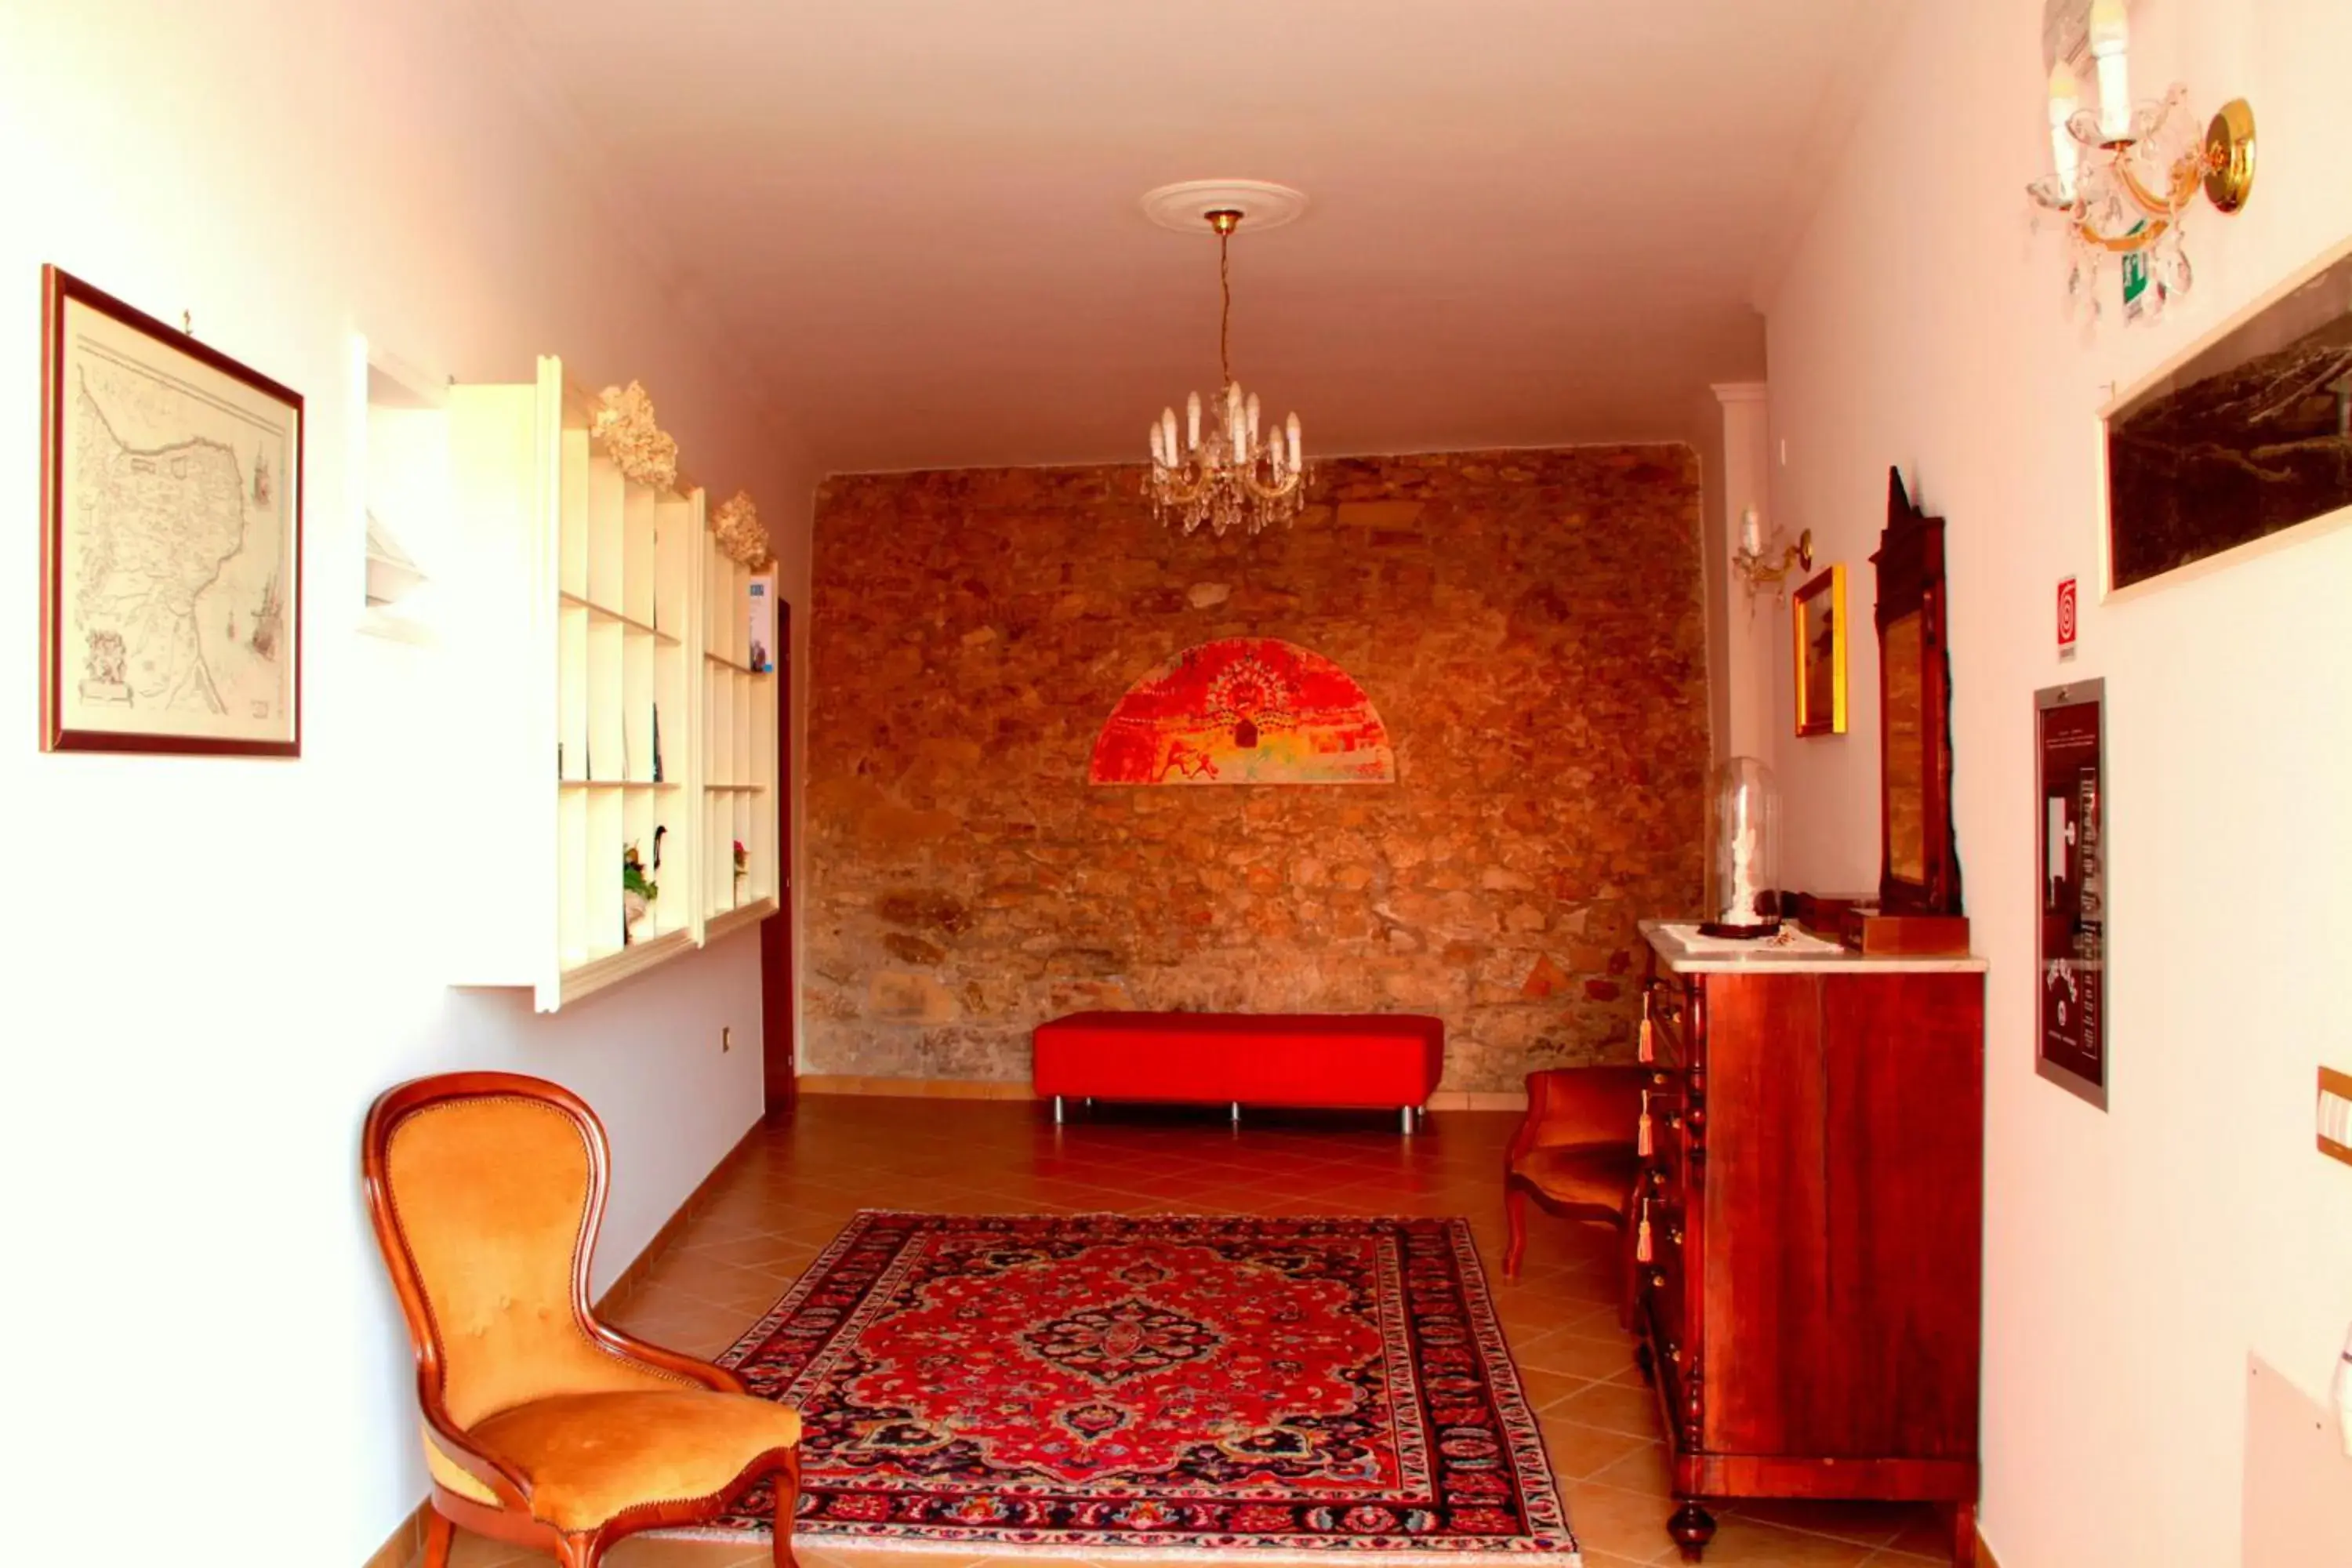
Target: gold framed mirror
x,y
1817,614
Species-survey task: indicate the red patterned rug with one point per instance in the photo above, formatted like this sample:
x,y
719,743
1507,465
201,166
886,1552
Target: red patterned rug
x,y
1161,1382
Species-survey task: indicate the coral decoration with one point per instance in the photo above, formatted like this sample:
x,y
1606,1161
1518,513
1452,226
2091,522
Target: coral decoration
x,y
624,426
736,522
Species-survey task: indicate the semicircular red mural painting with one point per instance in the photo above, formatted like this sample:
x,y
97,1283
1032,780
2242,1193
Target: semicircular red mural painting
x,y
1244,711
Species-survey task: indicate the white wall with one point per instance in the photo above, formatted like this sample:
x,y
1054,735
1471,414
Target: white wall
x,y
1706,441
213,965
2132,1258
1751,629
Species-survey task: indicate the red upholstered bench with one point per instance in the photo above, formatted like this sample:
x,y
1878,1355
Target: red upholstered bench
x,y
1382,1060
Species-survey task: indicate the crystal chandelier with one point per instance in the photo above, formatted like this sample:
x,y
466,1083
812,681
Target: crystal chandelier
x,y
2124,175
1229,475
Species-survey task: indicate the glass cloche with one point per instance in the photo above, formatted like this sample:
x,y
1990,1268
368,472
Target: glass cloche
x,y
1746,851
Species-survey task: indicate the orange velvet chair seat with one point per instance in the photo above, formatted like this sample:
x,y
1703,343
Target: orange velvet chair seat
x,y
1592,1175
588,1457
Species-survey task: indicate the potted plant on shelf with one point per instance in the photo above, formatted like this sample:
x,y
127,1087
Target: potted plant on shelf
x,y
742,867
637,893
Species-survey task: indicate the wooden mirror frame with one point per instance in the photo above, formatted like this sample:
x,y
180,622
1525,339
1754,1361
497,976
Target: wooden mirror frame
x,y
1910,561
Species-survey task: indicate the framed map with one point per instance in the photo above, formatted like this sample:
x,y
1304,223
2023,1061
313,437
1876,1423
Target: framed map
x,y
171,538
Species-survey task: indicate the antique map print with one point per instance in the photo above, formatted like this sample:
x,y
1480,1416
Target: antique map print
x,y
175,594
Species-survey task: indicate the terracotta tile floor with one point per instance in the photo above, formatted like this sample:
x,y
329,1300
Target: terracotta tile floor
x,y
801,1184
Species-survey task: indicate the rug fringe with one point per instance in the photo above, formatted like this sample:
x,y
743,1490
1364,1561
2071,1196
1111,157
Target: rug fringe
x,y
978,1550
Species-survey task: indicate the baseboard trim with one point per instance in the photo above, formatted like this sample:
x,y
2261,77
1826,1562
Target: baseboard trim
x,y
1479,1099
1005,1089
400,1547
618,1293
915,1088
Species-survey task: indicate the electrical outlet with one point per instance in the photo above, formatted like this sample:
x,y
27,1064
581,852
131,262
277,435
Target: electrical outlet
x,y
2335,1114
725,1038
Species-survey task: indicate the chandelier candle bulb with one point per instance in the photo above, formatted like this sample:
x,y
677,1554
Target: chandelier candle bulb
x,y
1253,418
1293,444
2109,35
1192,422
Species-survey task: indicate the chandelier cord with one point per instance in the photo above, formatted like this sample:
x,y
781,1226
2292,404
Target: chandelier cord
x,y
1225,312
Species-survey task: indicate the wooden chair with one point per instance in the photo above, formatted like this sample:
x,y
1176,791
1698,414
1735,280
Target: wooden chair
x,y
1576,1151
542,1426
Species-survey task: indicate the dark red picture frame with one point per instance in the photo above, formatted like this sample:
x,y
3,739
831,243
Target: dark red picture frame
x,y
58,289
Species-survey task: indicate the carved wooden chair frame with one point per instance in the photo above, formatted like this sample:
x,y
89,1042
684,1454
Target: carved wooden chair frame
x,y
1551,1102
511,1521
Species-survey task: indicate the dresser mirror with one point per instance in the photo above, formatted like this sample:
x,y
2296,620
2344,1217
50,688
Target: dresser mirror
x,y
1919,864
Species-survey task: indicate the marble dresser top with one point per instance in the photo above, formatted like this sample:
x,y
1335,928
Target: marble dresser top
x,y
1681,949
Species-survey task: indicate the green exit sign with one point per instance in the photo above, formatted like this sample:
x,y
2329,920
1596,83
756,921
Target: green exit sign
x,y
2136,277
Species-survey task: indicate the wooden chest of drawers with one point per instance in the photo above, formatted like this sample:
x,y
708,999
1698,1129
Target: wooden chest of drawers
x,y
1811,1212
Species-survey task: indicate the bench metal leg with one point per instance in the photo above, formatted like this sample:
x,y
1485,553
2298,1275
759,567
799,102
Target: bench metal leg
x,y
1405,1121
1057,1111
1237,1113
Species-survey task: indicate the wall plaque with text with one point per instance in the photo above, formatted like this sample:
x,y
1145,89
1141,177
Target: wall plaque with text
x,y
2071,1044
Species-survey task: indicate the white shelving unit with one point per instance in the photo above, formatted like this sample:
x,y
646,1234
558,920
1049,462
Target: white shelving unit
x,y
587,689
739,752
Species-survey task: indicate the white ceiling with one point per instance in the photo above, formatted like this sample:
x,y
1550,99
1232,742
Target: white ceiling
x,y
1533,221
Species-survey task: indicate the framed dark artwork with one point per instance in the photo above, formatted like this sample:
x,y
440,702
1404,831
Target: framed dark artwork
x,y
1817,614
2247,434
1919,859
171,538
2069,742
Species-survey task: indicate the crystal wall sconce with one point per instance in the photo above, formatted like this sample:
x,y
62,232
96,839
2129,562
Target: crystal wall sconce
x,y
1763,564
2123,175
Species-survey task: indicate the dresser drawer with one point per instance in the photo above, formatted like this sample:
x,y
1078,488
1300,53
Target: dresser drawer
x,y
1670,1007
1672,1169
1665,1278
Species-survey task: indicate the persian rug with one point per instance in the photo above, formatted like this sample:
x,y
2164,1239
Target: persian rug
x,y
1163,1384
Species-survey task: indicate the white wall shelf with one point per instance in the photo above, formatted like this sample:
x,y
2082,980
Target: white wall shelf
x,y
403,486
583,709
739,752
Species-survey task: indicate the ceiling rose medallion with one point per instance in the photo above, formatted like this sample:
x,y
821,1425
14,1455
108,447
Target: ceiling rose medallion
x,y
1237,470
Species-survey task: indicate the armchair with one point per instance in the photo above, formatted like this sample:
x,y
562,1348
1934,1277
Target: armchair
x,y
542,1426
1576,1151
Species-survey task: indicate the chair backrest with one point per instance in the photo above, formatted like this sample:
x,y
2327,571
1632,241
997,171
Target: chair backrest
x,y
486,1190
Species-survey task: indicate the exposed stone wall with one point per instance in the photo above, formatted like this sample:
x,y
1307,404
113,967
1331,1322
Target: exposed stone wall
x,y
1527,624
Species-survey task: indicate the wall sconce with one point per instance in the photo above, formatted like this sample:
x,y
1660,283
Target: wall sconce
x,y
1763,565
2123,175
